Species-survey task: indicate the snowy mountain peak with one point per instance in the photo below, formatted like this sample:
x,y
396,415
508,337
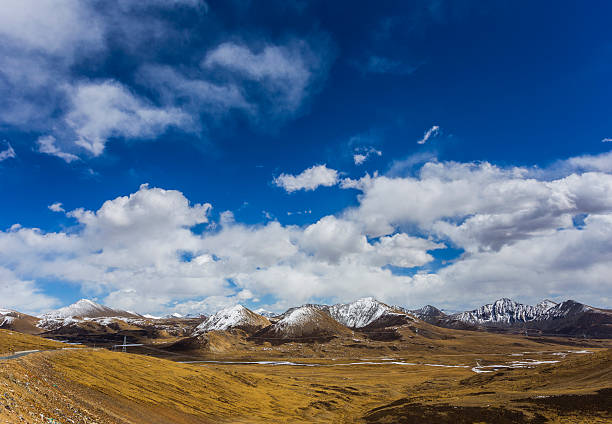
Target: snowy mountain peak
x,y
86,308
427,311
236,316
359,313
304,322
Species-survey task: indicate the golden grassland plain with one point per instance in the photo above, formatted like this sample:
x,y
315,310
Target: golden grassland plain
x,y
99,386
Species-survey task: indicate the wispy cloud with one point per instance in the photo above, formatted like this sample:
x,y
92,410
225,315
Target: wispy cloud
x,y
432,132
385,65
282,72
105,109
46,144
7,153
260,78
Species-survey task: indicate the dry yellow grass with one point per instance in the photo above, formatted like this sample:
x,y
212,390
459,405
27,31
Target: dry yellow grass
x,y
12,341
99,386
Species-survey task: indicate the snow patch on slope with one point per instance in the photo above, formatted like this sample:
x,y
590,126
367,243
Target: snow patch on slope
x,y
298,316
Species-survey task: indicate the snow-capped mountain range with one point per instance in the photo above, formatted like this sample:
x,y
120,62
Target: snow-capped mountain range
x,y
506,312
568,318
564,318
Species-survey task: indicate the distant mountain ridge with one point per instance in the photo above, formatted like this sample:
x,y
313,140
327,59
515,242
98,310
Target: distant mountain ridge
x,y
568,318
506,312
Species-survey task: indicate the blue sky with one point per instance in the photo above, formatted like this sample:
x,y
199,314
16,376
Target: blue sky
x,y
280,145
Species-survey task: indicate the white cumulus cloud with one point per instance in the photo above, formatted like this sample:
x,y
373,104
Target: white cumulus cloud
x,y
309,179
56,207
516,234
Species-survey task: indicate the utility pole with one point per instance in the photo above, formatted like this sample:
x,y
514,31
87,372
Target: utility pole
x,y
124,343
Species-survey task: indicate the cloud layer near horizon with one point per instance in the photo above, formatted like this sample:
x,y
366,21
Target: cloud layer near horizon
x,y
525,233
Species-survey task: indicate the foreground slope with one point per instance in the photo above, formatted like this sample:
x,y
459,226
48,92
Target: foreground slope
x,y
106,387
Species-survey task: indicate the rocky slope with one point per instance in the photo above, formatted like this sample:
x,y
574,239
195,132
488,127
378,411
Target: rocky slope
x,y
13,320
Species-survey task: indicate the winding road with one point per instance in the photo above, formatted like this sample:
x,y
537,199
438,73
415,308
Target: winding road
x,y
18,354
